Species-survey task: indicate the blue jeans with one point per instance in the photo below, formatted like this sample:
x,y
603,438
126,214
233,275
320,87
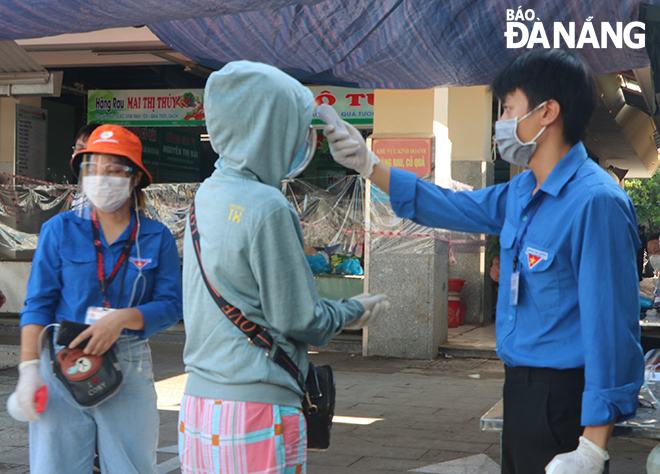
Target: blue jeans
x,y
126,425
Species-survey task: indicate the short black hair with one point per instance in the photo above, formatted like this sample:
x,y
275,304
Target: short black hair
x,y
544,74
654,236
86,130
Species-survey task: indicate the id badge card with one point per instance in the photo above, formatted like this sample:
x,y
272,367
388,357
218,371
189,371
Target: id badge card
x,y
515,282
94,313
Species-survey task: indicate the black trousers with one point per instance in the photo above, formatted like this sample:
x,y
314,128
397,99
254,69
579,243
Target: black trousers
x,y
542,409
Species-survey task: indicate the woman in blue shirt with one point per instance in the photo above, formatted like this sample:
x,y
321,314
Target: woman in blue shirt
x,y
81,263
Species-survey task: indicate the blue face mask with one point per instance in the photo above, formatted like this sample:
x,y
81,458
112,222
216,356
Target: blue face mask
x,y
509,145
304,156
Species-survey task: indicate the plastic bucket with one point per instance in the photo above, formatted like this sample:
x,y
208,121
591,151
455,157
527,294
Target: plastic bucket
x,y
453,312
456,284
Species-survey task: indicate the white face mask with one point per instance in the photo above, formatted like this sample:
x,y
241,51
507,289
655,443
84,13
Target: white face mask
x,y
511,148
655,262
107,193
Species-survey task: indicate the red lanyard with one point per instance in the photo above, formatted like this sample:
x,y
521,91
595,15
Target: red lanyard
x,y
100,270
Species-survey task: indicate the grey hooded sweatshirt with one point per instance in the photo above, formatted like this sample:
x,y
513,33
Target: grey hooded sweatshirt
x,y
252,243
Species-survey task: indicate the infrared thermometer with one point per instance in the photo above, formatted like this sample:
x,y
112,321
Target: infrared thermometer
x,y
330,117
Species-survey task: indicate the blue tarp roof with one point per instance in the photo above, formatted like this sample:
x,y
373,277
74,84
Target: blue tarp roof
x,y
366,43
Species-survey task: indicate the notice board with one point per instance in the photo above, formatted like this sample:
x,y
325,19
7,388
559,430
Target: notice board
x,y
30,141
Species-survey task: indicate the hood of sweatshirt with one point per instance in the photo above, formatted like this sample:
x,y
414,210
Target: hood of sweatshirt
x,y
257,119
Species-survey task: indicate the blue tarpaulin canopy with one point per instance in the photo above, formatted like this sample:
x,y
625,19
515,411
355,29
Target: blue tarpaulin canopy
x,y
366,43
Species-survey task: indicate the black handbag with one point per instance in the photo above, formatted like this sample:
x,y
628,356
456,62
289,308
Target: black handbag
x,y
318,401
89,379
319,405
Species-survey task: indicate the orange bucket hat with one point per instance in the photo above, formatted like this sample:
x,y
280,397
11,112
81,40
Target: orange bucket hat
x,y
114,140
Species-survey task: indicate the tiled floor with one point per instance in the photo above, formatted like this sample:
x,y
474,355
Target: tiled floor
x,y
393,415
478,336
471,341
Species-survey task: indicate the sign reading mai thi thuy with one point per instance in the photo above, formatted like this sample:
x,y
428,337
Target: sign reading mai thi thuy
x,y
410,154
171,107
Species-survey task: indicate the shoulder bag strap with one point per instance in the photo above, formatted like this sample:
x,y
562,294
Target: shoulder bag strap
x,y
257,335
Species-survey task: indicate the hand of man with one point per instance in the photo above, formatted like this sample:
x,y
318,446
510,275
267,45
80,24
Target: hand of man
x,y
588,458
347,146
29,381
374,307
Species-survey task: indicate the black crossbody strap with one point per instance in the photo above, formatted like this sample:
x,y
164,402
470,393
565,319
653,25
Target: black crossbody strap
x,y
257,335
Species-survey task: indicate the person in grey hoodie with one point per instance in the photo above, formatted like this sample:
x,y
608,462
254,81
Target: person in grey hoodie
x,y
241,412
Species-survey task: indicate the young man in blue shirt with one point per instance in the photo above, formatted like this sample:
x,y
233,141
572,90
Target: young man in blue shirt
x,y
568,310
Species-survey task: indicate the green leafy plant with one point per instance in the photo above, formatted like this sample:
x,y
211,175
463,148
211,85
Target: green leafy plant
x,y
645,195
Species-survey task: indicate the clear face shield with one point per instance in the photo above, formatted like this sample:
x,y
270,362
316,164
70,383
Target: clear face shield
x,y
304,156
106,183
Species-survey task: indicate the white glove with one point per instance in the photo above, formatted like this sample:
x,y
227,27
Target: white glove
x,y
29,381
374,307
588,458
346,143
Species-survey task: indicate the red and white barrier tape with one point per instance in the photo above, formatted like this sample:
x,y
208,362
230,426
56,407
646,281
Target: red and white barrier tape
x,y
452,260
32,180
395,234
173,206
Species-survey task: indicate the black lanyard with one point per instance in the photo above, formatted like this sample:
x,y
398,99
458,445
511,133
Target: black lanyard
x,y
519,241
100,267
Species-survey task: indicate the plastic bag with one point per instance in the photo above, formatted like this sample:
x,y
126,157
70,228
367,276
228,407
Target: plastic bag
x,y
652,366
319,264
350,266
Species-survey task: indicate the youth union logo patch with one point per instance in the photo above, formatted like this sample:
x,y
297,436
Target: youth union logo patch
x,y
535,256
140,263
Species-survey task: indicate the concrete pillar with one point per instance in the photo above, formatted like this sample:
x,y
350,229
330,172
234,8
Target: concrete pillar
x,y
469,123
412,271
415,275
471,263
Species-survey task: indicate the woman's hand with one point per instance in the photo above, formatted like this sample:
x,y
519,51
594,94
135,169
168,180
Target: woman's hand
x,y
105,332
